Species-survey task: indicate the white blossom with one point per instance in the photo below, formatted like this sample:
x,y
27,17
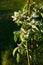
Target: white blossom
x,y
34,15
33,26
33,21
27,35
16,14
14,18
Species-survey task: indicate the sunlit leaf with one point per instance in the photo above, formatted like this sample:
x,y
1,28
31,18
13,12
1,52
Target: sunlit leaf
x,y
14,51
18,57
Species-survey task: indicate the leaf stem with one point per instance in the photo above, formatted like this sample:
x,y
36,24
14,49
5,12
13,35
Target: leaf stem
x,y
27,54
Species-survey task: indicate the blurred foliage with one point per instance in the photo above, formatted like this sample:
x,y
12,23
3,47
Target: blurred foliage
x,y
30,32
11,5
7,26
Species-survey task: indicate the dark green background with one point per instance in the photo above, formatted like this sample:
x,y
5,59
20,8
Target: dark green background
x,y
7,26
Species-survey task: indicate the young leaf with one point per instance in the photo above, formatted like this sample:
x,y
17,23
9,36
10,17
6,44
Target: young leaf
x,y
15,38
18,57
15,50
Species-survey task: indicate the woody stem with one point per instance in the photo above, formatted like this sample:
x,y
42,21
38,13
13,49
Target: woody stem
x,y
27,54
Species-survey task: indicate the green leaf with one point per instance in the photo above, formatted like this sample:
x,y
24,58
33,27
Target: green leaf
x,y
14,51
18,57
16,35
37,36
15,38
